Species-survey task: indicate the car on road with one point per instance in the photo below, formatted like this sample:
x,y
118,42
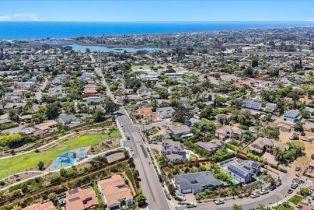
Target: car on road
x,y
290,191
294,185
272,187
263,192
297,181
191,205
219,201
255,195
277,183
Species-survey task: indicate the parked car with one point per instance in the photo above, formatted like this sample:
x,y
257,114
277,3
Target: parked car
x,y
294,185
191,205
254,195
219,201
278,183
263,192
272,187
290,191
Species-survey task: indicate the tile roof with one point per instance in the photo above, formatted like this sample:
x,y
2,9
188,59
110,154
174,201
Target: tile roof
x,y
81,199
41,206
114,190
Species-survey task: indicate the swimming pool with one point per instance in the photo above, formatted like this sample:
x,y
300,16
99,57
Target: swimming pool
x,y
68,159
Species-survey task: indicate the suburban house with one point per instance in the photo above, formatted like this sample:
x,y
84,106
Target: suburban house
x,y
48,126
180,130
41,206
271,107
226,132
284,126
25,85
81,199
67,119
94,100
147,113
90,91
164,112
249,104
115,193
25,119
262,145
292,116
242,170
196,182
115,157
173,150
211,146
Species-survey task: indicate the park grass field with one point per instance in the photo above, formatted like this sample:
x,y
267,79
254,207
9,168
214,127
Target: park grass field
x,y
21,163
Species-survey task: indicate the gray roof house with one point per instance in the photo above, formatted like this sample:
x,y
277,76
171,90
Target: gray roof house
x,y
173,150
271,107
211,146
67,119
292,116
180,131
196,182
165,112
251,105
94,100
242,170
25,85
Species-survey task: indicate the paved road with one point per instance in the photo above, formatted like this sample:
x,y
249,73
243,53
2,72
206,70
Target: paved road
x,y
98,71
38,95
150,184
149,180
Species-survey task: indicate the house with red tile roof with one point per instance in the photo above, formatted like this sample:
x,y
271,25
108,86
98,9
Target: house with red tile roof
x,y
41,206
81,199
115,192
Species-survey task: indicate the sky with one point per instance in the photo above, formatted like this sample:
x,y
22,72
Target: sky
x,y
156,10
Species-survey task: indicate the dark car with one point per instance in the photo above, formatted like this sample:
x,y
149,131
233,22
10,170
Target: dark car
x,y
290,191
294,186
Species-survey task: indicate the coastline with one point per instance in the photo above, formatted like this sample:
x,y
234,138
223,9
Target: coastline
x,y
35,31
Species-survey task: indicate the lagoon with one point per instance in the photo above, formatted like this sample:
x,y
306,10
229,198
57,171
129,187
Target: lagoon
x,y
83,48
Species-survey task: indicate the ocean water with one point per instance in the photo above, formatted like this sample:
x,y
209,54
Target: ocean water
x,y
42,30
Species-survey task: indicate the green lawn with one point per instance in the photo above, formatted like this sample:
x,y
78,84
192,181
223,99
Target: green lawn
x,y
296,199
28,161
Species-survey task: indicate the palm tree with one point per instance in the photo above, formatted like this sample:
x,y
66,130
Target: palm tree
x,y
237,207
16,207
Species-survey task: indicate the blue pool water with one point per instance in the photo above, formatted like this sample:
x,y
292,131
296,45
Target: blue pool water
x,y
68,159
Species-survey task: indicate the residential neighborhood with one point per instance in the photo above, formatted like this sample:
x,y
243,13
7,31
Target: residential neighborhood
x,y
205,120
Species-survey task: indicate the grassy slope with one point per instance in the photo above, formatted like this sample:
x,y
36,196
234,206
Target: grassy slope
x,y
20,163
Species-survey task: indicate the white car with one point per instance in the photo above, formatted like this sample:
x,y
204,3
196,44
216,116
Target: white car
x,y
263,192
254,195
219,201
191,205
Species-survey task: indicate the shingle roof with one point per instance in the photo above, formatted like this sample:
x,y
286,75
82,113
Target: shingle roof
x,y
292,114
196,181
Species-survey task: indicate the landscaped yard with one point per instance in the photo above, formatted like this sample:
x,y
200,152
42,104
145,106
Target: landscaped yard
x,y
296,199
20,163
